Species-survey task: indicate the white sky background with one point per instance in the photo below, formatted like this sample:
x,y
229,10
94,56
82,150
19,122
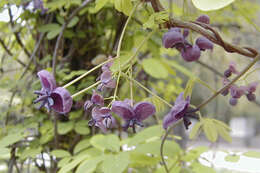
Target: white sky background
x,y
245,164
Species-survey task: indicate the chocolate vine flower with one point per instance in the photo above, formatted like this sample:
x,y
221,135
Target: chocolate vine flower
x,y
178,111
51,96
191,53
133,115
96,99
102,118
172,38
203,19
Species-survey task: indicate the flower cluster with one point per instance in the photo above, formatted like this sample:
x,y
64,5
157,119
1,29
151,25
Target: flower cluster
x,y
235,91
51,96
106,77
175,38
180,110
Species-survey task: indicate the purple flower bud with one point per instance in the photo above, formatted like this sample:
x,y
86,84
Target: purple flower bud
x,y
62,100
251,97
232,68
97,99
204,43
225,92
203,19
252,87
171,38
191,53
227,73
233,101
186,32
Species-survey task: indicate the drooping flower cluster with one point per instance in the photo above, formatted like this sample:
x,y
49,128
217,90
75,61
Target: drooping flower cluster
x,y
106,77
175,38
235,91
133,115
51,96
180,110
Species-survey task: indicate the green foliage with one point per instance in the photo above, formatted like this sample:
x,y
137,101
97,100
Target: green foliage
x,y
207,5
154,68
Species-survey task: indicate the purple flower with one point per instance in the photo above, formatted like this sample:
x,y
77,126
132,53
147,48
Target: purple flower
x,y
178,111
106,67
51,96
203,19
102,118
133,115
191,53
38,4
172,38
204,43
252,87
96,99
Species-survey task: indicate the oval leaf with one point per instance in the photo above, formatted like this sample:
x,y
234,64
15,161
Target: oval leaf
x,y
154,68
208,5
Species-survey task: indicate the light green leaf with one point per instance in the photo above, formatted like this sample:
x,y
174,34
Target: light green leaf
x,y
73,164
253,154
208,5
73,22
146,134
83,144
60,153
115,163
64,128
141,160
195,130
199,168
30,152
82,127
89,165
49,27
53,33
189,87
224,133
109,142
154,68
99,4
4,153
10,139
232,158
210,130
64,161
124,6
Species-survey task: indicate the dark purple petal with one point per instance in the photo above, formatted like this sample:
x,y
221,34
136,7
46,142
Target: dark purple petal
x,y
143,110
233,101
123,110
227,73
168,120
105,111
62,100
87,105
203,19
204,43
171,38
97,99
96,114
236,92
251,97
192,53
47,80
186,122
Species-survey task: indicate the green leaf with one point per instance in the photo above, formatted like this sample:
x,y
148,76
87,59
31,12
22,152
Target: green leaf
x,y
208,5
89,165
109,142
189,87
30,152
60,153
124,59
10,139
146,134
73,22
154,68
83,144
253,154
64,161
82,127
99,4
52,34
64,128
49,27
199,168
115,163
210,130
141,160
73,164
232,158
224,133
195,130
124,6
4,153
155,19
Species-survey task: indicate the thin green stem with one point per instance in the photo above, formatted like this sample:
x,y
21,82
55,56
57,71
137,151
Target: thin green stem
x,y
86,89
149,91
117,83
85,74
131,85
124,29
163,141
229,84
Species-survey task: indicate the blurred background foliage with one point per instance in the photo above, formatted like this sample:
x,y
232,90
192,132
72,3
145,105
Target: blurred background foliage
x,y
28,35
